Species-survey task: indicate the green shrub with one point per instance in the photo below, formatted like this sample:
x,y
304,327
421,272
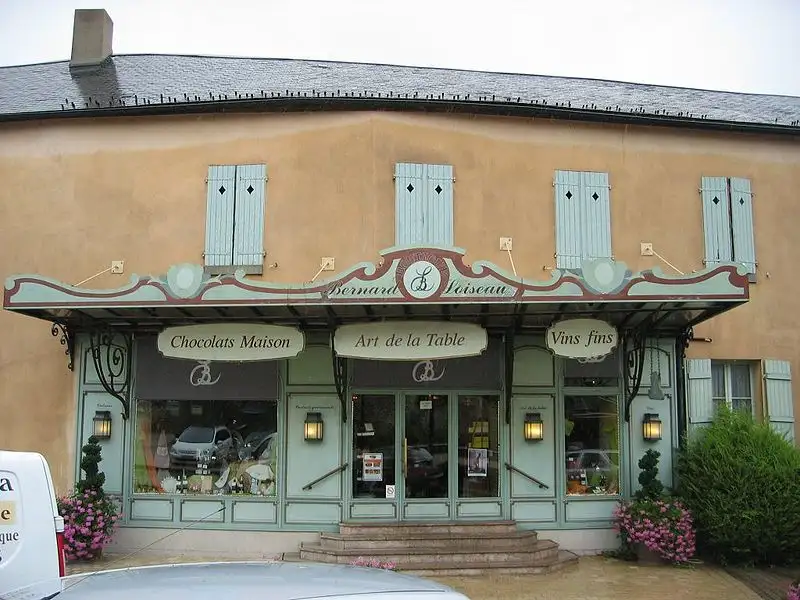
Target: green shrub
x,y
741,481
652,488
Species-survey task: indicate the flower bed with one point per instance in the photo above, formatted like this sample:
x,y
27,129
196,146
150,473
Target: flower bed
x,y
662,526
793,593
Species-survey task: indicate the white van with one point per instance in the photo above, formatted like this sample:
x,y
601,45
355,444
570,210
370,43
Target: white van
x,y
31,530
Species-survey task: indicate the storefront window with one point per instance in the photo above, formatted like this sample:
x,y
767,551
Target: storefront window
x,y
592,444
206,447
604,373
478,445
373,446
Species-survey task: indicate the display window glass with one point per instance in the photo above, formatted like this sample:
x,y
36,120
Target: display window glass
x,y
592,444
206,447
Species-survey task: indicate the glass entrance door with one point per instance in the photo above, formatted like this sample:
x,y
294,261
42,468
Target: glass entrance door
x,y
426,456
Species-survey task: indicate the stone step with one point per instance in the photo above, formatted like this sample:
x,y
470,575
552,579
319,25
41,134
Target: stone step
x,y
474,539
565,560
406,528
406,558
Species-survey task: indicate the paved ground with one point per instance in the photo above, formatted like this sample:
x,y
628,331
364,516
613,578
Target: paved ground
x,y
769,584
595,578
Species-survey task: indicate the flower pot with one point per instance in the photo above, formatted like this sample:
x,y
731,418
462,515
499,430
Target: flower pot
x,y
647,557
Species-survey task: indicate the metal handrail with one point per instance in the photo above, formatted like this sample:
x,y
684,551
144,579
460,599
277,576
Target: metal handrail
x,y
338,469
511,467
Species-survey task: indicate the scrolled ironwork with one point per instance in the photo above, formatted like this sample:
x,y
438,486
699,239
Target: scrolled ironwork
x,y
111,353
340,379
633,348
66,339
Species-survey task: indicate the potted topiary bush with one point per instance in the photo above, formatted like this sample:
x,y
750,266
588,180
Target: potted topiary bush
x,y
90,517
653,526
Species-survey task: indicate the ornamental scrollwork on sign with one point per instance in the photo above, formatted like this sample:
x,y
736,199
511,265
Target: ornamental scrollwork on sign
x,y
67,340
111,353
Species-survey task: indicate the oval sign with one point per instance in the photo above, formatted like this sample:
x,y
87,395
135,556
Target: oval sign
x,y
231,342
582,338
410,340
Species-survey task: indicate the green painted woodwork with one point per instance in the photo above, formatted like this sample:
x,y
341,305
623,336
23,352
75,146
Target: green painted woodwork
x,y
313,366
312,513
533,364
589,509
533,512
212,511
151,509
307,461
254,512
537,459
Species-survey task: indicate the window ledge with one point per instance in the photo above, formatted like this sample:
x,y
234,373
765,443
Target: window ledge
x,y
231,269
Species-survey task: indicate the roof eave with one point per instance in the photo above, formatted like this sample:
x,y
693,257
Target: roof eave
x,y
353,103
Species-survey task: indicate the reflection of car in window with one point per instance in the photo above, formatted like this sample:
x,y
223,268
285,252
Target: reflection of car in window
x,y
594,468
197,443
258,445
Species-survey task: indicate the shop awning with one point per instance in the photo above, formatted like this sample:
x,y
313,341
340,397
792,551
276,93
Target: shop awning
x,y
416,283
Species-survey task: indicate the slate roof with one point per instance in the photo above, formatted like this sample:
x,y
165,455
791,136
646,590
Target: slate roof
x,y
147,83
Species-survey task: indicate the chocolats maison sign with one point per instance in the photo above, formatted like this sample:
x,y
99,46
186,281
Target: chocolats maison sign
x,y
231,342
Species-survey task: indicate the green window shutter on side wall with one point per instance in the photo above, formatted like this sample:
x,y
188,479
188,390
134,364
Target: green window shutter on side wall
x,y
423,205
744,245
779,405
583,217
248,239
716,220
699,393
220,215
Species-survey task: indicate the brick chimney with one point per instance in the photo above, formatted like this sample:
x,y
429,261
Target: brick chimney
x,y
91,37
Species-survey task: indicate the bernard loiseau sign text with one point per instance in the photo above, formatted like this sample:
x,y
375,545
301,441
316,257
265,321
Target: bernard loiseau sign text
x,y
582,339
231,342
410,340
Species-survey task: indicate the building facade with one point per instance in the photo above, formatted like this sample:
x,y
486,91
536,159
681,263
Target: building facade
x,y
383,293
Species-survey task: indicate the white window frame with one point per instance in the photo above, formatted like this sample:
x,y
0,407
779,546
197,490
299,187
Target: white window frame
x,y
728,398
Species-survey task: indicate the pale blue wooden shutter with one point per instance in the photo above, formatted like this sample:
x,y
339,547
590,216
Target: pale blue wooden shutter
x,y
248,239
423,205
699,393
778,391
595,222
716,220
567,185
744,245
219,215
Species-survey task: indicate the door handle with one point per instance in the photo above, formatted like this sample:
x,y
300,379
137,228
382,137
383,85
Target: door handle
x,y
405,456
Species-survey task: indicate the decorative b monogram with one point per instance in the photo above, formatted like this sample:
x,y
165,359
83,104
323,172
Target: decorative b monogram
x,y
422,279
425,371
201,374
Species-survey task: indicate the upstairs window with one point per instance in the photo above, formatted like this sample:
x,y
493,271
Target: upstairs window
x,y
583,218
728,222
423,205
235,209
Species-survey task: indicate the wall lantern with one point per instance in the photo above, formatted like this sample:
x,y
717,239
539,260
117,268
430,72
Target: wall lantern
x,y
313,427
651,427
533,427
101,424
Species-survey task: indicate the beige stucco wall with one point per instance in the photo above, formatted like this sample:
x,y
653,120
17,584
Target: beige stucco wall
x,y
76,195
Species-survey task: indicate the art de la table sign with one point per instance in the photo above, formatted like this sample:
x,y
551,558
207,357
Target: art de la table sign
x,y
581,338
231,342
410,340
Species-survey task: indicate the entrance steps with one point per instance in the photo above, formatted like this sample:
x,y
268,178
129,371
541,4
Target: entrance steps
x,y
442,548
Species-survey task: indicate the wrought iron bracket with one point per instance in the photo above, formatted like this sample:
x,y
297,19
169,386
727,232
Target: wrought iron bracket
x,y
508,364
111,353
67,340
340,379
634,343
